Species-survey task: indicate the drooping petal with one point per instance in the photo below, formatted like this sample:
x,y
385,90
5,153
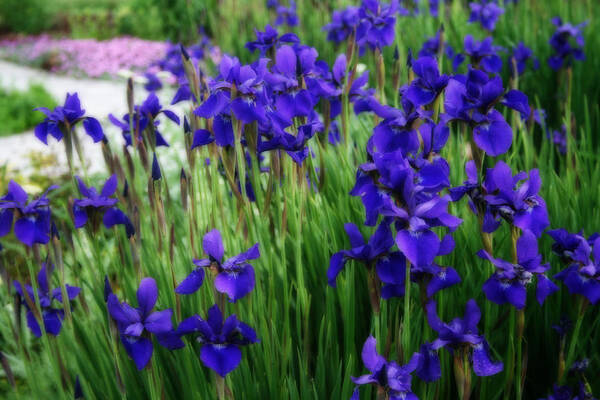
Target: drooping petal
x,y
159,321
428,368
6,220
93,129
139,349
192,282
33,325
25,231
545,287
495,137
420,248
236,284
445,278
202,137
482,364
336,264
221,358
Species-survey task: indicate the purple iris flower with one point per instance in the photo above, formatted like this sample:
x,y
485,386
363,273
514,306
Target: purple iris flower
x,y
428,84
32,220
136,325
521,54
434,45
235,277
287,15
567,43
559,138
270,39
332,84
394,379
63,119
428,367
483,54
486,13
151,107
390,266
472,98
566,245
343,24
520,205
291,100
93,205
378,23
52,316
582,276
144,119
250,101
568,393
509,283
463,333
220,340
153,83
272,3
435,276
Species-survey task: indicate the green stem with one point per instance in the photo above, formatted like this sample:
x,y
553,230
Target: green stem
x,y
575,336
406,319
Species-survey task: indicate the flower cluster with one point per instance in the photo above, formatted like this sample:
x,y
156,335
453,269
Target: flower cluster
x,y
486,13
371,25
567,43
50,315
32,219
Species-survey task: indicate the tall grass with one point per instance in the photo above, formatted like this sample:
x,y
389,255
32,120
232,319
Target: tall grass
x,y
311,334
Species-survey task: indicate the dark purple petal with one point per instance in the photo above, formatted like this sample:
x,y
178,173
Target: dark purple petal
x,y
445,278
213,244
110,186
482,364
221,358
371,358
202,137
159,321
336,264
420,248
495,137
139,349
545,287
33,325
192,282
6,220
236,284
25,231
93,129
147,294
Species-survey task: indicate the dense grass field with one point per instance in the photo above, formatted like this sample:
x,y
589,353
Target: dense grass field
x,y
310,334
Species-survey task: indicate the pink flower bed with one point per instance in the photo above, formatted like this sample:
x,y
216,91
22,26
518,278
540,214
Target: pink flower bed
x,y
88,57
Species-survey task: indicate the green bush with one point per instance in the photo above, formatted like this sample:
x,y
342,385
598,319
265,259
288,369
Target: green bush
x,y
16,108
25,16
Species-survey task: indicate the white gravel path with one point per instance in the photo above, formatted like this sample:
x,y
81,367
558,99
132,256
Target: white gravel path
x,y
98,98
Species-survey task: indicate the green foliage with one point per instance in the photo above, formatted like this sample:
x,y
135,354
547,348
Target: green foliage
x,y
16,108
25,16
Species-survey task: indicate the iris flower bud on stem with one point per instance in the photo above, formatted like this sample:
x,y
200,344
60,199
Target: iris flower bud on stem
x,y
373,284
462,373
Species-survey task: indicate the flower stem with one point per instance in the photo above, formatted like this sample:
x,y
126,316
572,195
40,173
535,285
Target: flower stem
x,y
406,319
575,336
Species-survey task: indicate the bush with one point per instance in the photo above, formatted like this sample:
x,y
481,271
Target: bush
x,y
16,108
25,16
